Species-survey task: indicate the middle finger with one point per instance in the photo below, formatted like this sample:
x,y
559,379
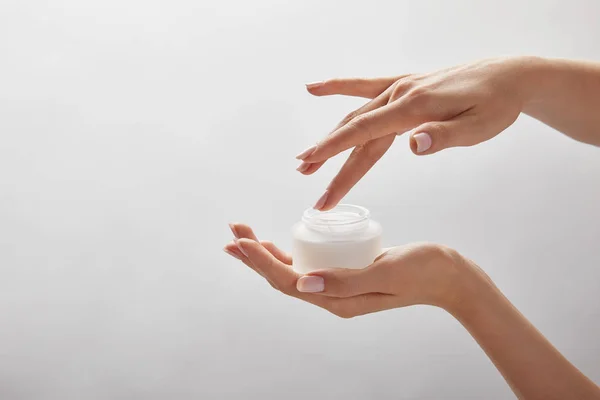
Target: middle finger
x,y
379,101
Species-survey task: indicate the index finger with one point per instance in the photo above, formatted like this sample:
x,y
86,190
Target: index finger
x,y
282,276
380,122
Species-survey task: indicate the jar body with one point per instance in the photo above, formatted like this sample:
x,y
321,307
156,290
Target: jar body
x,y
344,237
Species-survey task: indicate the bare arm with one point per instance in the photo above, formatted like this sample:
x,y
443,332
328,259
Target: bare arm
x,y
434,275
566,96
532,367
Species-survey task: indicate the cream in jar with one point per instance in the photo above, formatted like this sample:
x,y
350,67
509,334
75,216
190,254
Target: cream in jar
x,y
343,237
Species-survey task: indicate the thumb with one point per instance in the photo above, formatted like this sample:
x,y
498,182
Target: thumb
x,y
345,282
432,137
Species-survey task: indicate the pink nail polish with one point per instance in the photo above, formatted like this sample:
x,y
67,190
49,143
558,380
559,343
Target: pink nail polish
x,y
321,202
423,141
310,284
303,167
306,153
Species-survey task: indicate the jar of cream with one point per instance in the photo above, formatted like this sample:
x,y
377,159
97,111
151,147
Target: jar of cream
x,y
343,237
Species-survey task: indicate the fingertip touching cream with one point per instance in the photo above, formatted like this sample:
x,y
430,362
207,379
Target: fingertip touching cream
x,y
343,237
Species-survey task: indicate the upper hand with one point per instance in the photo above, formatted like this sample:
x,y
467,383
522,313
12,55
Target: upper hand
x,y
460,106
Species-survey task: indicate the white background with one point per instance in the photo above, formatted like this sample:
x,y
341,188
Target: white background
x,y
132,131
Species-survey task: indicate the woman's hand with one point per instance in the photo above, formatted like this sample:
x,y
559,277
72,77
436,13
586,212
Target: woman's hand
x,y
402,276
460,106
434,275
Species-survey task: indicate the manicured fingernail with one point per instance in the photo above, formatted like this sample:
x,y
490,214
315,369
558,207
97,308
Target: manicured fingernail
x,y
321,202
310,284
232,254
303,167
423,141
314,85
232,227
306,152
241,248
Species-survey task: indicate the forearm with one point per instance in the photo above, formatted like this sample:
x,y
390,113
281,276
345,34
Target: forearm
x,y
533,368
565,95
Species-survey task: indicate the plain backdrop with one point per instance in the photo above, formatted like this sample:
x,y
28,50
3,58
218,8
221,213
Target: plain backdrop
x,y
132,131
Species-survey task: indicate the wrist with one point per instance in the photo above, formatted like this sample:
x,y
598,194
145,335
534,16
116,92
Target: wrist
x,y
533,76
466,285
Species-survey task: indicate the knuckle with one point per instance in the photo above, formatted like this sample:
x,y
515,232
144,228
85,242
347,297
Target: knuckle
x,y
362,123
418,93
419,98
402,86
349,117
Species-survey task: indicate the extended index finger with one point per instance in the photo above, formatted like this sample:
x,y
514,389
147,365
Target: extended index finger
x,y
380,122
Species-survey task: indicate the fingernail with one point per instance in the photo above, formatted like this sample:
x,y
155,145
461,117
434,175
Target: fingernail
x,y
241,248
310,284
303,167
306,152
321,202
232,254
232,227
423,141
314,85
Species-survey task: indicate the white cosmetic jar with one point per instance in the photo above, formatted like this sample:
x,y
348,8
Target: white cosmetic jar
x,y
343,237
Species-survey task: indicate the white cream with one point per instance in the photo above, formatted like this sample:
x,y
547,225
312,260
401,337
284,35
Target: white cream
x,y
344,237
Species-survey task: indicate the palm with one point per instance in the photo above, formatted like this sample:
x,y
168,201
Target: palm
x,y
276,267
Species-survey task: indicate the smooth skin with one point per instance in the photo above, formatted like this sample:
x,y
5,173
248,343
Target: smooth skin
x,y
433,275
459,106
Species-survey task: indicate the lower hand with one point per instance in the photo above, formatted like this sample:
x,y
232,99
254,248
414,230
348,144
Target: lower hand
x,y
402,276
434,275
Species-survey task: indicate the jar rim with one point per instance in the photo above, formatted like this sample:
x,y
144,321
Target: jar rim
x,y
341,216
